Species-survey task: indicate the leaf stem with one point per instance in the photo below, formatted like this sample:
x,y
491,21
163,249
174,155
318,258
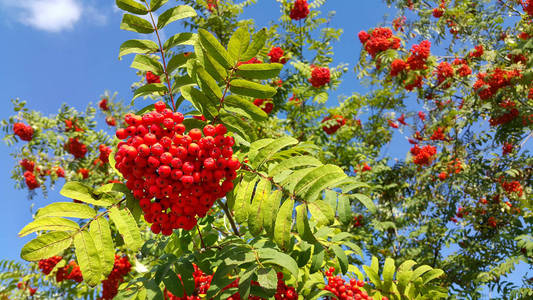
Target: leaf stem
x,y
230,217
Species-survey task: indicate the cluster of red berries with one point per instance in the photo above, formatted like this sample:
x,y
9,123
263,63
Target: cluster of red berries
x,y
344,290
31,180
399,23
507,148
276,55
300,10
76,148
104,153
202,282
185,173
23,131
84,172
401,119
511,187
358,221
25,286
478,51
393,124
331,129
71,125
378,40
152,78
294,100
320,76
444,71
419,54
463,69
48,264
265,104
252,60
366,168
397,66
110,121
487,85
439,11
30,170
438,135
110,285
212,5
69,272
504,118
103,104
423,156
528,6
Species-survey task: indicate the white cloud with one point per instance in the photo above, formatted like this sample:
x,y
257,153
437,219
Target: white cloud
x,y
48,15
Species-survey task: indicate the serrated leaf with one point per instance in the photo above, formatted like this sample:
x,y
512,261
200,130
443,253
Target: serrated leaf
x,y
79,191
342,258
137,46
317,259
238,43
173,283
127,227
132,7
366,201
302,224
273,256
214,48
49,223
182,38
373,276
294,162
388,273
317,180
149,89
258,42
178,61
147,63
259,71
344,209
88,258
256,218
265,153
251,89
322,212
419,271
206,105
283,225
247,106
66,209
214,69
239,126
136,24
243,197
46,245
101,234
208,84
432,274
175,14
156,4
270,211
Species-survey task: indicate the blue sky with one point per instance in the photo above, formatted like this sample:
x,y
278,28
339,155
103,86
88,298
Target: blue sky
x,y
57,51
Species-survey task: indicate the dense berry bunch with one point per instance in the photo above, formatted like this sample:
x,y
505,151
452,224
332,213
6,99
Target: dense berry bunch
x,y
462,67
76,148
27,165
488,85
419,55
276,55
31,180
103,104
300,10
69,272
438,135
175,176
104,153
331,129
358,221
399,23
47,265
23,131
25,286
344,290
444,71
380,39
511,187
507,148
212,5
202,282
110,121
320,76
504,118
528,6
265,104
110,285
252,60
152,78
397,66
71,125
423,156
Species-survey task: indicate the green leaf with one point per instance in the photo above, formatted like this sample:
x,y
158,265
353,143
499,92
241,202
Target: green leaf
x,y
214,48
258,42
270,211
214,69
269,150
173,283
366,201
322,212
432,274
137,46
294,162
150,89
127,227
373,274
243,197
88,258
66,209
208,84
267,278
388,273
239,126
344,209
342,258
259,71
302,224
49,223
45,246
175,14
238,43
156,4
206,105
419,271
79,191
317,180
256,218
256,113
251,89
182,38
132,7
317,259
101,234
136,24
272,256
283,225
147,63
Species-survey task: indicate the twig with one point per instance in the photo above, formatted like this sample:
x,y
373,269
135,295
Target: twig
x,y
230,217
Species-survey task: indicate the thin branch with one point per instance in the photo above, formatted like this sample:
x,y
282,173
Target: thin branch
x,y
230,217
